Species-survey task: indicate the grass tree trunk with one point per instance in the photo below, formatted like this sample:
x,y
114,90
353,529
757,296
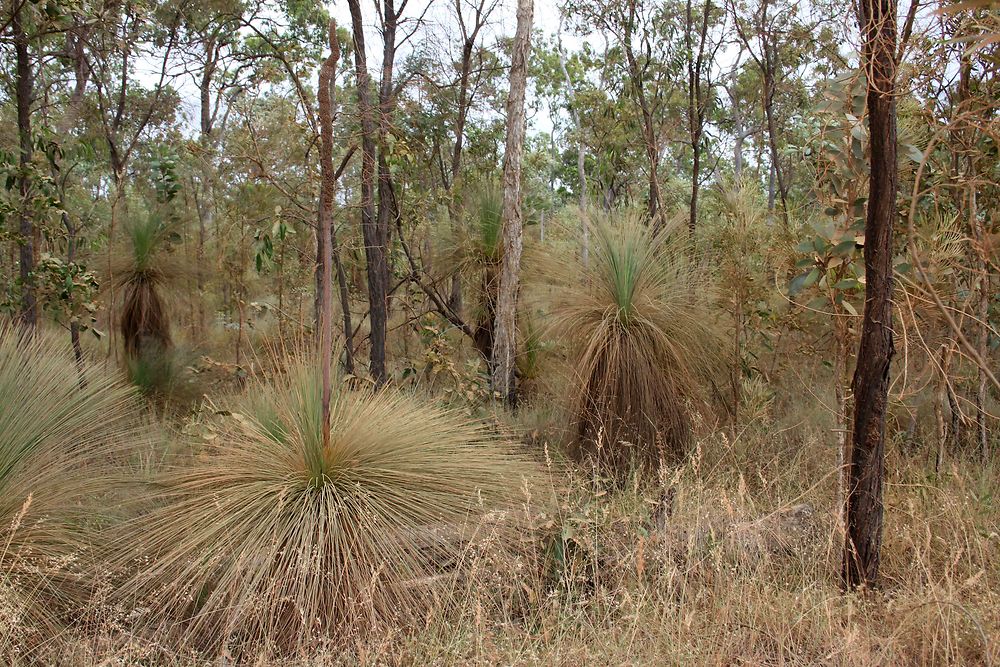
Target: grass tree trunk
x,y
327,191
863,509
375,243
24,90
505,334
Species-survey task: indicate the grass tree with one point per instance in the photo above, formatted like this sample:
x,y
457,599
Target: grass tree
x,y
643,342
143,273
275,537
60,428
141,278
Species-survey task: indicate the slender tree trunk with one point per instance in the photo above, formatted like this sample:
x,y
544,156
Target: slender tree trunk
x,y
206,208
740,135
375,241
581,170
863,510
75,40
982,309
24,91
770,187
455,298
327,192
696,105
653,157
505,342
941,397
772,136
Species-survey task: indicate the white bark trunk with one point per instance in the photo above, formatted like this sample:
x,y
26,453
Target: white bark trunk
x,y
504,341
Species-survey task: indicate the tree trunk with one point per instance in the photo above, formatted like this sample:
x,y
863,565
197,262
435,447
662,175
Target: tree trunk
x,y
580,156
982,313
206,207
327,190
504,342
740,135
770,188
863,510
455,298
24,90
696,105
375,241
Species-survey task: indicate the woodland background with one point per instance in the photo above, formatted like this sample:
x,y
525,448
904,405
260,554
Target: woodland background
x,y
587,295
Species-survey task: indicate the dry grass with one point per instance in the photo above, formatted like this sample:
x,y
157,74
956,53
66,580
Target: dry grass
x,y
716,563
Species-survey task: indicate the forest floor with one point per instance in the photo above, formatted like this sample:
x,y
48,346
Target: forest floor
x,y
732,558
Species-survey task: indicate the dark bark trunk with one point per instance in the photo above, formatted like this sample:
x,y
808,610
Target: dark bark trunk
x,y
863,510
772,138
24,89
696,105
375,243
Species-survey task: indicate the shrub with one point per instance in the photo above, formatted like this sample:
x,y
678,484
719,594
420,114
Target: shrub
x,y
270,541
60,428
164,377
643,341
141,275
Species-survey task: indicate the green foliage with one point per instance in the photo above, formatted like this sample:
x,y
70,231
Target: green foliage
x,y
830,264
68,290
485,240
273,538
163,376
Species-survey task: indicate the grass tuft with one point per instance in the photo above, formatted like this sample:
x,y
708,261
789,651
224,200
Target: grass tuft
x,y
643,343
270,541
60,429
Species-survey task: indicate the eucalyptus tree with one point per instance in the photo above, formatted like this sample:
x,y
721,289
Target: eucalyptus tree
x,y
649,51
216,60
866,469
504,341
701,48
